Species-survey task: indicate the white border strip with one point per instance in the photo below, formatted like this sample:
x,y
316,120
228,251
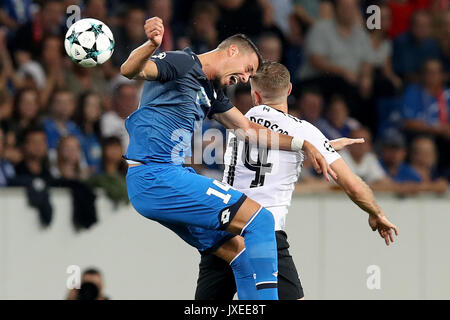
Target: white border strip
x,y
264,282
251,219
237,256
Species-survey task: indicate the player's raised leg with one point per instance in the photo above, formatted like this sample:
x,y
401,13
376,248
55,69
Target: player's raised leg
x,y
256,225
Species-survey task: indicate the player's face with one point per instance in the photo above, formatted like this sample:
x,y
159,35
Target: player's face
x,y
238,69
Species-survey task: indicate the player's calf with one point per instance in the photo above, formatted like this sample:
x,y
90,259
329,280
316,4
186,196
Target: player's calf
x,y
258,231
234,252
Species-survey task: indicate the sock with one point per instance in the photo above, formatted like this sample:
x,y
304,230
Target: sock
x,y
244,276
260,241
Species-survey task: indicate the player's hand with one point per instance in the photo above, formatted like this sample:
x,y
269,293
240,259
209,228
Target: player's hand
x,y
154,30
384,227
318,161
341,143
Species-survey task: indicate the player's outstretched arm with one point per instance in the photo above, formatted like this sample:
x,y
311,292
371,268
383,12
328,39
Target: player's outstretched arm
x,y
138,65
341,143
255,133
360,194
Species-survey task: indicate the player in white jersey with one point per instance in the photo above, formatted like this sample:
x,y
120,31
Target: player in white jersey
x,y
269,177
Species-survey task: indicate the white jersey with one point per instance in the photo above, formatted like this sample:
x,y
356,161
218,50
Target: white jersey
x,y
269,176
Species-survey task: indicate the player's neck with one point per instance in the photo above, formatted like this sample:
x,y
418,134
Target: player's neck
x,y
209,63
281,106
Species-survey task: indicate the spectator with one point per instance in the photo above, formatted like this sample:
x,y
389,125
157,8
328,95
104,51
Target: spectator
x,y
35,162
14,13
443,35
310,11
393,157
310,105
8,76
363,162
80,80
88,119
270,47
203,34
69,160
47,21
423,158
414,47
337,54
402,10
30,73
407,181
59,123
386,82
426,109
112,123
241,16
282,13
52,60
6,106
130,33
25,115
96,9
164,10
92,276
337,124
112,180
7,171
33,173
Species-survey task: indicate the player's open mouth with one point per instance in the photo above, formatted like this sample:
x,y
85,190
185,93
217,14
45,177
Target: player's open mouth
x,y
233,80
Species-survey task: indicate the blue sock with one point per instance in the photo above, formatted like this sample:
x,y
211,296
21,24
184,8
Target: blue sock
x,y
260,241
244,276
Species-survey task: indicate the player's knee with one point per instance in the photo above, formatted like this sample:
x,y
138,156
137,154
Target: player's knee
x,y
230,249
262,221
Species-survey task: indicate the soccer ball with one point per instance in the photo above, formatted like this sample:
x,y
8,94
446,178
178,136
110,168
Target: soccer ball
x,y
89,42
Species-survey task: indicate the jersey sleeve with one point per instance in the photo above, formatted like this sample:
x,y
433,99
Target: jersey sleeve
x,y
172,64
220,104
313,135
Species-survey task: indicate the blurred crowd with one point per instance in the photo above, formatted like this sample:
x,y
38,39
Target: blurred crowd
x,y
63,125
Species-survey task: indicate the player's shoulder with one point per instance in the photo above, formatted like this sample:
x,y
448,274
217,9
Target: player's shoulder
x,y
265,110
308,128
186,54
180,60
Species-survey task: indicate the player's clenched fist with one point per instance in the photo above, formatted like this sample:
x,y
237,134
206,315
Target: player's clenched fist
x,y
154,30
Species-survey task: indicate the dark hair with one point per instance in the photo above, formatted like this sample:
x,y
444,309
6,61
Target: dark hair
x,y
91,271
57,92
204,6
80,116
17,97
337,98
417,13
29,131
110,141
242,41
303,91
88,291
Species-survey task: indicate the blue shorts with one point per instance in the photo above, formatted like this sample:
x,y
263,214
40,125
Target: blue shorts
x,y
195,207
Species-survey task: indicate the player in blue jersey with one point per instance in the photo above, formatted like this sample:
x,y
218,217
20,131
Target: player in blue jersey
x,y
182,89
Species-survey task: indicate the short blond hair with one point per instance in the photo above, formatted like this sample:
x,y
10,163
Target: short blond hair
x,y
272,79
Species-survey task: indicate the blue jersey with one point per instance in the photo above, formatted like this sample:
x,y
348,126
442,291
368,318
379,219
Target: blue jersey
x,y
171,107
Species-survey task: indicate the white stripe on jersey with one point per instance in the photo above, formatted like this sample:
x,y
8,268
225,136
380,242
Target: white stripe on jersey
x,y
269,176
